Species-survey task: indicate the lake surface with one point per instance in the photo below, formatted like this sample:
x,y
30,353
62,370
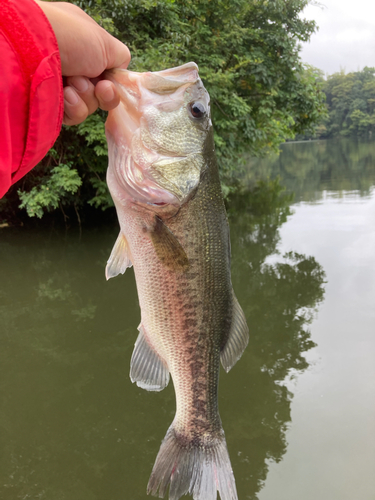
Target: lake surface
x,y
298,409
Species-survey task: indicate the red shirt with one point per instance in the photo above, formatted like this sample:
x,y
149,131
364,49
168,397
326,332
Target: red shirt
x,y
31,89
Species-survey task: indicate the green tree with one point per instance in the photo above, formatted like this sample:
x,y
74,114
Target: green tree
x,y
248,54
351,103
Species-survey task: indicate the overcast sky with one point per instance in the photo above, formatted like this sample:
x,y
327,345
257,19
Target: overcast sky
x,y
346,35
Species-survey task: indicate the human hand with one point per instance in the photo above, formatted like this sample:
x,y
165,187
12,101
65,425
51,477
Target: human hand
x,y
86,50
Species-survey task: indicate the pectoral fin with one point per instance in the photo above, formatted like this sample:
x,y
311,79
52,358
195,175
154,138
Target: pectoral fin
x,y
119,260
147,369
168,248
238,338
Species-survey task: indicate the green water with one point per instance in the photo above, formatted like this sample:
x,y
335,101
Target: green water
x,y
298,409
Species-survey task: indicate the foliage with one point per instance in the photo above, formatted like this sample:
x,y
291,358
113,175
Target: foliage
x,y
248,55
351,104
51,191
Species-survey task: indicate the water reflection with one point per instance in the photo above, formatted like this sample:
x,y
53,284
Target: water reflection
x,y
72,426
279,300
312,167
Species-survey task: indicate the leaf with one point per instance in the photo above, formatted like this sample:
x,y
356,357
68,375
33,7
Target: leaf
x,y
48,195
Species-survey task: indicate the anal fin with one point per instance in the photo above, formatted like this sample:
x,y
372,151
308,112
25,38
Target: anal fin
x,y
119,260
147,369
238,338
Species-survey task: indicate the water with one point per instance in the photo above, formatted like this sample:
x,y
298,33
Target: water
x,y
298,409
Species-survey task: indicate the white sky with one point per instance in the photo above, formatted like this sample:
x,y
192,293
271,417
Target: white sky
x,y
346,35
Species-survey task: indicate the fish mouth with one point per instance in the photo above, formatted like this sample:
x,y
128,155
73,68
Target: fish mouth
x,y
164,90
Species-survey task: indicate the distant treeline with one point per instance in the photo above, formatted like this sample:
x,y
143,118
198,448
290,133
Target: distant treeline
x,y
350,102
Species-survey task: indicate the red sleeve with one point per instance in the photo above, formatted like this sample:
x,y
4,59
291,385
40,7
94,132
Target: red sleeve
x,y
31,89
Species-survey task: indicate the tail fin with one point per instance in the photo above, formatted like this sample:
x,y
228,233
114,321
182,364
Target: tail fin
x,y
200,470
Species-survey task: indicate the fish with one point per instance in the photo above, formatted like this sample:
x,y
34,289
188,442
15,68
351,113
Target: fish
x,y
164,180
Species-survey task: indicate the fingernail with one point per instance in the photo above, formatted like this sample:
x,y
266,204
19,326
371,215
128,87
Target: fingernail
x,y
79,82
108,95
70,96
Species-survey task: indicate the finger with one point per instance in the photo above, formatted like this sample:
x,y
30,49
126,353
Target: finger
x,y
107,95
85,90
75,109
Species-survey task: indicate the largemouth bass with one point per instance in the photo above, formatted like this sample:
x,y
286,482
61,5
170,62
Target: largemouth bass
x,y
164,181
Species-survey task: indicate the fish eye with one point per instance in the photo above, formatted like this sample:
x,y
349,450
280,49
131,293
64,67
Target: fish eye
x,y
197,109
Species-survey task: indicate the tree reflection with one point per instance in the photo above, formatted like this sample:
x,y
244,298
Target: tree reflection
x,y
309,168
279,296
